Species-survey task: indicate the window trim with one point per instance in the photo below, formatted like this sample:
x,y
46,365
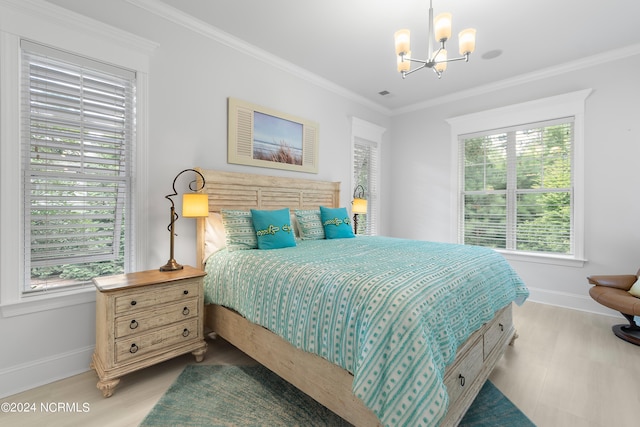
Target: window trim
x,y
53,26
569,104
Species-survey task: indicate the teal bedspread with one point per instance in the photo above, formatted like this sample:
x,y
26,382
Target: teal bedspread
x,y
390,311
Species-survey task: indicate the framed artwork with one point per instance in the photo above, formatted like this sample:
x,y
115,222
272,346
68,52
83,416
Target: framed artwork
x,y
259,136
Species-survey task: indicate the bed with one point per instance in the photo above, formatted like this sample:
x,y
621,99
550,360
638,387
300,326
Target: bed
x,y
337,361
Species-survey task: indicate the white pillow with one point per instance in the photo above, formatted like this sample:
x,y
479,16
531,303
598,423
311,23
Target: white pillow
x,y
214,235
295,225
635,289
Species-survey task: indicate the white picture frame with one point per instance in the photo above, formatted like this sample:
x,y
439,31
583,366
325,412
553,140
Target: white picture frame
x,y
263,137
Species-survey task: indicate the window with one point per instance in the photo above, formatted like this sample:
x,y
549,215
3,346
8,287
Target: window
x,y
78,126
519,176
365,166
517,188
366,138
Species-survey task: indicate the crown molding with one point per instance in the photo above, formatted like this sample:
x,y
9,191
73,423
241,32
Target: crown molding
x,y
64,17
207,30
568,67
178,17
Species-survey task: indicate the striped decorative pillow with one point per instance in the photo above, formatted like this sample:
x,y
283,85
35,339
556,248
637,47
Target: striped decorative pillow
x,y
238,227
309,223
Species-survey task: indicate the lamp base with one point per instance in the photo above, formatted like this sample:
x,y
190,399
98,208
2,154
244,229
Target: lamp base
x,y
171,265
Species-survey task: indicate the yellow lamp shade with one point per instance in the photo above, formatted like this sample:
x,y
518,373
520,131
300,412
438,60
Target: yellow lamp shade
x,y
359,206
195,205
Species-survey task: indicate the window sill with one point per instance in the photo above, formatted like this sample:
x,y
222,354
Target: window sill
x,y
47,301
562,260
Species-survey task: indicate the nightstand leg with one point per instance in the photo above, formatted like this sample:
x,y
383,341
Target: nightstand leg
x,y
108,386
199,354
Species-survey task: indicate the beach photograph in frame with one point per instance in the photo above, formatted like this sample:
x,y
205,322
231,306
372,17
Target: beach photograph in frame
x,y
263,137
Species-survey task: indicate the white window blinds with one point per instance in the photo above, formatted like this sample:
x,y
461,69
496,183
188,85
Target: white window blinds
x,y
77,144
365,167
517,188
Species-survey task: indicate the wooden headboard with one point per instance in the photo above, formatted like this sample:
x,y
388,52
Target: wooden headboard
x,y
232,190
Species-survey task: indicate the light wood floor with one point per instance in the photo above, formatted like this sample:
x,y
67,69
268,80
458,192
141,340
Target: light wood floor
x,y
565,369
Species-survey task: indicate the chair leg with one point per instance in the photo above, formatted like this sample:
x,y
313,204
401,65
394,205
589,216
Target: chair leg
x,y
630,332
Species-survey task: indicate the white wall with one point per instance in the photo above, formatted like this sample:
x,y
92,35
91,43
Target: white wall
x,y
421,162
190,77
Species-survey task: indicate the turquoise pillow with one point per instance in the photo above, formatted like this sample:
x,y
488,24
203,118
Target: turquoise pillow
x,y
238,228
310,224
336,223
273,228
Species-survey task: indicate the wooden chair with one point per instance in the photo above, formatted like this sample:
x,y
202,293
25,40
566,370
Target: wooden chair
x,y
613,291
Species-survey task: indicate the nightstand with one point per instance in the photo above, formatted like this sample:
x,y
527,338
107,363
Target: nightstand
x,y
145,318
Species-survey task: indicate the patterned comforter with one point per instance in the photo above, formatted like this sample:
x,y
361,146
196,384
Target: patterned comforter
x,y
390,311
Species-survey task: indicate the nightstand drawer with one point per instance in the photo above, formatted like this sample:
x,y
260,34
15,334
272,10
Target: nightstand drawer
x,y
162,339
136,323
179,291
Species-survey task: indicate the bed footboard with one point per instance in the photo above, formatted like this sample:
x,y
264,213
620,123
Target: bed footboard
x,y
331,385
323,381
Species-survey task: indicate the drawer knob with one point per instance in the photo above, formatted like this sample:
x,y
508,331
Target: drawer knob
x,y
133,324
185,332
133,302
185,292
501,327
133,349
185,311
462,380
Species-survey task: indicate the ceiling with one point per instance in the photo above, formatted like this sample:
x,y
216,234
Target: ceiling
x,y
350,42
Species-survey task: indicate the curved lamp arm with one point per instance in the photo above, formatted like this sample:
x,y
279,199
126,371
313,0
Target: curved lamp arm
x,y
172,265
358,192
174,215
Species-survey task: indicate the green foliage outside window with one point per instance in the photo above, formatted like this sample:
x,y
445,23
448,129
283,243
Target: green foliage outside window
x,y
517,189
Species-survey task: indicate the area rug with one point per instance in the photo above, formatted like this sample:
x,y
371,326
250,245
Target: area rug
x,y
252,396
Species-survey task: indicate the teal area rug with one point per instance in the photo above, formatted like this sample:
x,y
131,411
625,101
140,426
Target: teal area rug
x,y
243,396
493,409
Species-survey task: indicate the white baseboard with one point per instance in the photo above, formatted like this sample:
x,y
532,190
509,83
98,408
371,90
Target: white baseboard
x,y
19,378
572,301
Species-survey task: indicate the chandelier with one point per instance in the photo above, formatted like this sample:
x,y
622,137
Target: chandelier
x,y
439,32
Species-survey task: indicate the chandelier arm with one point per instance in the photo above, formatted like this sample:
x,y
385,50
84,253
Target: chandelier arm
x,y
421,61
464,58
434,55
406,73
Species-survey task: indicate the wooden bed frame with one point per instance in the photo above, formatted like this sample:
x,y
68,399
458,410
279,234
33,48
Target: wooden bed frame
x,y
325,382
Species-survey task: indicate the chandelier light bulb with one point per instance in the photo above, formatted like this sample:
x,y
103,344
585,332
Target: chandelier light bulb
x,y
467,41
402,41
442,27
